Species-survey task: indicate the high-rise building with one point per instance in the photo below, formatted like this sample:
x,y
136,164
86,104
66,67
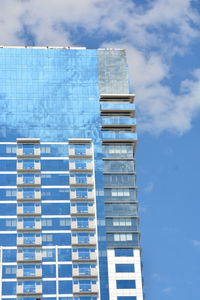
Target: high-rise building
x,y
68,197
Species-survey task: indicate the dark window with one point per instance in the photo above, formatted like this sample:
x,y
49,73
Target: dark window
x,y
124,252
125,268
125,284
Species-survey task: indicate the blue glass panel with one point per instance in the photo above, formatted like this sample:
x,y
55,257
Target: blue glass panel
x,y
54,165
8,165
8,288
48,271
64,270
55,194
55,179
64,254
7,179
49,287
65,287
9,255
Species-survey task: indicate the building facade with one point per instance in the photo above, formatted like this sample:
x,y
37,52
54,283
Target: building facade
x,y
68,197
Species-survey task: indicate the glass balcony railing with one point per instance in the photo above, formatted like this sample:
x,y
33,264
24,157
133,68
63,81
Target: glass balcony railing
x,y
28,150
81,194
83,240
85,288
110,135
118,121
28,209
28,194
82,209
28,165
84,255
29,240
118,106
80,151
29,256
81,180
29,180
84,271
82,224
29,272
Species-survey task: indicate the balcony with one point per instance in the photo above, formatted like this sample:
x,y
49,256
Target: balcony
x,y
116,106
80,152
28,181
28,152
84,256
84,210
81,181
28,210
32,195
88,196
89,240
29,290
118,121
30,257
84,272
114,136
29,226
85,289
23,166
80,167
30,273
29,241
83,225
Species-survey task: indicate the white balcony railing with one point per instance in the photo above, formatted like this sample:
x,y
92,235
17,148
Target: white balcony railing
x,y
78,289
91,256
21,273
31,212
92,272
74,210
34,153
21,226
88,196
37,257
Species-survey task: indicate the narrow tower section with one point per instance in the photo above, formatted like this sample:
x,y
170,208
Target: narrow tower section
x,y
29,225
119,139
83,219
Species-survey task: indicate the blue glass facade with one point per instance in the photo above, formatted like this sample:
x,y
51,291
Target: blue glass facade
x,y
68,196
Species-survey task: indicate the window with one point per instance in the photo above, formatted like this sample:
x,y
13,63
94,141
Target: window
x,y
47,238
11,223
123,237
125,284
10,149
118,149
124,268
122,222
10,270
46,149
48,253
46,222
10,193
120,192
124,252
64,222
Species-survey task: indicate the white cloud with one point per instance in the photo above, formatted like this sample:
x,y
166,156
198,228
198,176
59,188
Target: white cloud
x,y
167,290
149,187
152,35
196,243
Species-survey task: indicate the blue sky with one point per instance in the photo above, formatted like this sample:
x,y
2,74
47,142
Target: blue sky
x,y
162,38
